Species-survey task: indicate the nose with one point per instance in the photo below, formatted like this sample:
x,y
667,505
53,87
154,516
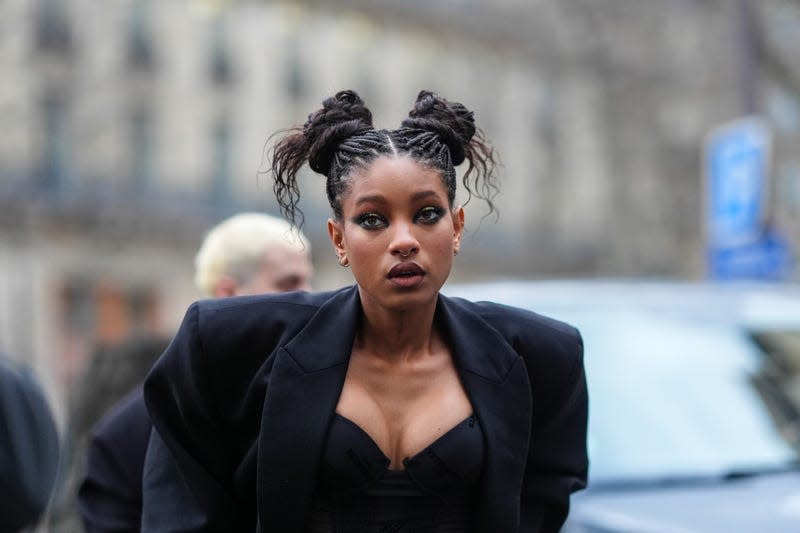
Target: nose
x,y
404,243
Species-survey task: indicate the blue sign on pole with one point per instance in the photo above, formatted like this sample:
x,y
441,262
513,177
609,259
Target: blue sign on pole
x,y
769,258
737,166
741,245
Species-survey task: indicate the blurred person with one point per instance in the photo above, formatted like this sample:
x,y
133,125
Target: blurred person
x,y
252,253
249,253
29,448
111,373
384,406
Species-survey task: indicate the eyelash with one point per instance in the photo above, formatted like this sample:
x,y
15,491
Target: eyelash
x,y
436,211
361,220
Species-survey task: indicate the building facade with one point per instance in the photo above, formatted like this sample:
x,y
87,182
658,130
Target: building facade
x,y
129,127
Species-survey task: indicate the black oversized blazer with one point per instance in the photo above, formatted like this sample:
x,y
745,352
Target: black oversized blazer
x,y
244,395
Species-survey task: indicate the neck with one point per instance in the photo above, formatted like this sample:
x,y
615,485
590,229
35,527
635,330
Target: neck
x,y
397,334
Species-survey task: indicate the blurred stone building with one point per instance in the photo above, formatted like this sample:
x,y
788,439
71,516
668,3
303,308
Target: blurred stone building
x,y
130,126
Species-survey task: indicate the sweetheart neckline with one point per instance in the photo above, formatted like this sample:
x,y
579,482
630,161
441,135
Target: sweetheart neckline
x,y
410,458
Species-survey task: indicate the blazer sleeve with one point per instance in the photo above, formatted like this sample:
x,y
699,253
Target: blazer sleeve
x,y
168,506
557,458
110,495
179,398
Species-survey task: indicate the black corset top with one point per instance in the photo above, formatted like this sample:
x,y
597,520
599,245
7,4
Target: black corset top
x,y
433,493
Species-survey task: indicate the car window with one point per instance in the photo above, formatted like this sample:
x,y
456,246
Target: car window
x,y
672,397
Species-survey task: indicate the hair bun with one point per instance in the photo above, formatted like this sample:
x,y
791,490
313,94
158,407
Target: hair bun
x,y
453,122
342,116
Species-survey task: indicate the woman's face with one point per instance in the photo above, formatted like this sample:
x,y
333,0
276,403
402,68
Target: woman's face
x,y
398,232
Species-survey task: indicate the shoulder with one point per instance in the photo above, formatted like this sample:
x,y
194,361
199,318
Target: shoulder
x,y
517,320
288,302
29,447
261,310
227,346
249,324
257,320
23,405
19,384
525,328
551,349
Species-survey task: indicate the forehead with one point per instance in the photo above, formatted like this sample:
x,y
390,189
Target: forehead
x,y
390,176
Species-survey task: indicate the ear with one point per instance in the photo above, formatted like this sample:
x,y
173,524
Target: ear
x,y
458,227
336,234
224,287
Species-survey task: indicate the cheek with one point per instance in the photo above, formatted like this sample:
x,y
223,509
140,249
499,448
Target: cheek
x,y
364,248
443,240
258,285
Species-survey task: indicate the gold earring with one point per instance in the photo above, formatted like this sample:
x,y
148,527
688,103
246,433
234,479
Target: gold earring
x,y
343,261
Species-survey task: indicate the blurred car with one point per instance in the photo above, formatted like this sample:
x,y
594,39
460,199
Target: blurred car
x,y
694,393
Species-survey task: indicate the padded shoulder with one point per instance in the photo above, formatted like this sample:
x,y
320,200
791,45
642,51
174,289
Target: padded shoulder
x,y
552,349
262,321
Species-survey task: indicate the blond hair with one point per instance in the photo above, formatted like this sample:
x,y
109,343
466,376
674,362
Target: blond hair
x,y
236,247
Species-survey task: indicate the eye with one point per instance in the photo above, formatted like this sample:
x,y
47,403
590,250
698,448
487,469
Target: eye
x,y
430,214
290,283
370,221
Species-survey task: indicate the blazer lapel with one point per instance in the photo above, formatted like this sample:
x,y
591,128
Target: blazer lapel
x,y
496,381
304,387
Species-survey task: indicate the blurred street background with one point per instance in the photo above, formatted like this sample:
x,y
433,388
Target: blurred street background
x,y
129,127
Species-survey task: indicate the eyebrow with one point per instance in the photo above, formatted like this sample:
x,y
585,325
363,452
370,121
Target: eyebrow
x,y
422,194
379,199
376,198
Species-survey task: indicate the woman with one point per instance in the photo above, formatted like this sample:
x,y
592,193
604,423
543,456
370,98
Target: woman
x,y
384,406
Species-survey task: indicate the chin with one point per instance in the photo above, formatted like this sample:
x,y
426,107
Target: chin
x,y
404,300
414,298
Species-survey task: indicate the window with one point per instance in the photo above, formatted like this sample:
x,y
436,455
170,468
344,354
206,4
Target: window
x,y
140,50
221,164
220,68
296,82
54,171
141,149
53,33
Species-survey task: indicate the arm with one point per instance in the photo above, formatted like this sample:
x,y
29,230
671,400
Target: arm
x,y
180,401
105,499
557,460
110,494
168,504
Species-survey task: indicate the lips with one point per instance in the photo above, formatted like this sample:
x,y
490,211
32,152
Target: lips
x,y
406,270
406,274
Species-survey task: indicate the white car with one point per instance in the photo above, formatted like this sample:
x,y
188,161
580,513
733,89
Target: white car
x,y
694,401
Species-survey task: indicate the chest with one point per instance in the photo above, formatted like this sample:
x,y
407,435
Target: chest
x,y
404,408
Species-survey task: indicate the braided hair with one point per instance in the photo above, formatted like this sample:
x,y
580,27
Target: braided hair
x,y
340,138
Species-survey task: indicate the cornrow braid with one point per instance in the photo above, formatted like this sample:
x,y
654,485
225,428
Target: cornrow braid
x,y
356,152
426,148
340,138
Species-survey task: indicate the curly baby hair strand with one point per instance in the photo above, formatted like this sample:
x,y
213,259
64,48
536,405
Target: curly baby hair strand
x,y
288,157
327,141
